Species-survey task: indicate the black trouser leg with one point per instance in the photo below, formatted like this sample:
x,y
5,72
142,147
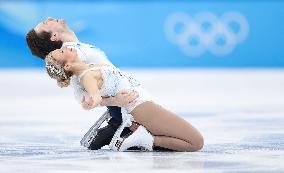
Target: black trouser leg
x,y
106,133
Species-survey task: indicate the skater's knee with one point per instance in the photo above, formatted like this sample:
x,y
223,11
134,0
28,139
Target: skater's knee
x,y
194,144
197,144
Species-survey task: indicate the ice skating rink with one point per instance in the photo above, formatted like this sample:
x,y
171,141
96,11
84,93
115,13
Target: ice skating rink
x,y
239,112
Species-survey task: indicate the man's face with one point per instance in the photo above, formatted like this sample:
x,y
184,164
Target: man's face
x,y
51,25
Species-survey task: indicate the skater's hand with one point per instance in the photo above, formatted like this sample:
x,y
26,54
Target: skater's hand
x,y
125,98
88,104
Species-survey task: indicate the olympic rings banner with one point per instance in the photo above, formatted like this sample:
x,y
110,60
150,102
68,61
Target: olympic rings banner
x,y
158,34
206,32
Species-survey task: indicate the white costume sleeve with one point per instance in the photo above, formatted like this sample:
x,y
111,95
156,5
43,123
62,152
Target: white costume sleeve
x,y
96,56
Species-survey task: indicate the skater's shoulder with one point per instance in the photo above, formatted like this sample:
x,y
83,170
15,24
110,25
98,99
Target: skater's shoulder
x,y
92,70
78,44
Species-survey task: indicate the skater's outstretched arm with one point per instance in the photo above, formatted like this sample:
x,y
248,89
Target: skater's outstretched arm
x,y
91,85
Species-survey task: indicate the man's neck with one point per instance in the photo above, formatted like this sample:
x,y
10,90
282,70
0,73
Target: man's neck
x,y
69,36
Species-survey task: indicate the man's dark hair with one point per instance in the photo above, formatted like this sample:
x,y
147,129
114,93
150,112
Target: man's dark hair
x,y
40,43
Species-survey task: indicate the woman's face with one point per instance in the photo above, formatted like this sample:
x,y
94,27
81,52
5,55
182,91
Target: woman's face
x,y
65,55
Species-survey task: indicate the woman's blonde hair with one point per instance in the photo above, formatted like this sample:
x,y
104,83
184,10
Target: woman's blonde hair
x,y
56,71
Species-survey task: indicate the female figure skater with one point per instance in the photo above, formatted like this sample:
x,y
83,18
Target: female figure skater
x,y
101,80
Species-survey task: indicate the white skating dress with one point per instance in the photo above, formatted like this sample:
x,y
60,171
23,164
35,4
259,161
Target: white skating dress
x,y
115,80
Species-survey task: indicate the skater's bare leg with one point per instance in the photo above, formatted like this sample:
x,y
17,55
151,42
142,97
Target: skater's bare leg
x,y
170,131
172,143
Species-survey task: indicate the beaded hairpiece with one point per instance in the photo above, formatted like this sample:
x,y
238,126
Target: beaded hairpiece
x,y
54,68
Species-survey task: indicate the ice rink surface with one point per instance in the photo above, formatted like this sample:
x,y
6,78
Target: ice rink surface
x,y
239,112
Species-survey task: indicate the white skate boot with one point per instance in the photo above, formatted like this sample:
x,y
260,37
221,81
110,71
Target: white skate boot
x,y
140,138
117,140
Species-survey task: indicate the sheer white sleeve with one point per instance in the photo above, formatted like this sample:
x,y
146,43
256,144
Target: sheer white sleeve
x,y
95,55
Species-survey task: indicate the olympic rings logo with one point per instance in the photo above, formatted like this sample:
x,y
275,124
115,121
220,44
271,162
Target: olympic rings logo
x,y
205,31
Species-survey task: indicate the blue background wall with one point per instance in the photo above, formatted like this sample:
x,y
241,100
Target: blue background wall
x,y
134,34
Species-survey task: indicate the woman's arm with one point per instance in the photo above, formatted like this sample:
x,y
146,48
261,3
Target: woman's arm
x,y
91,86
122,99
